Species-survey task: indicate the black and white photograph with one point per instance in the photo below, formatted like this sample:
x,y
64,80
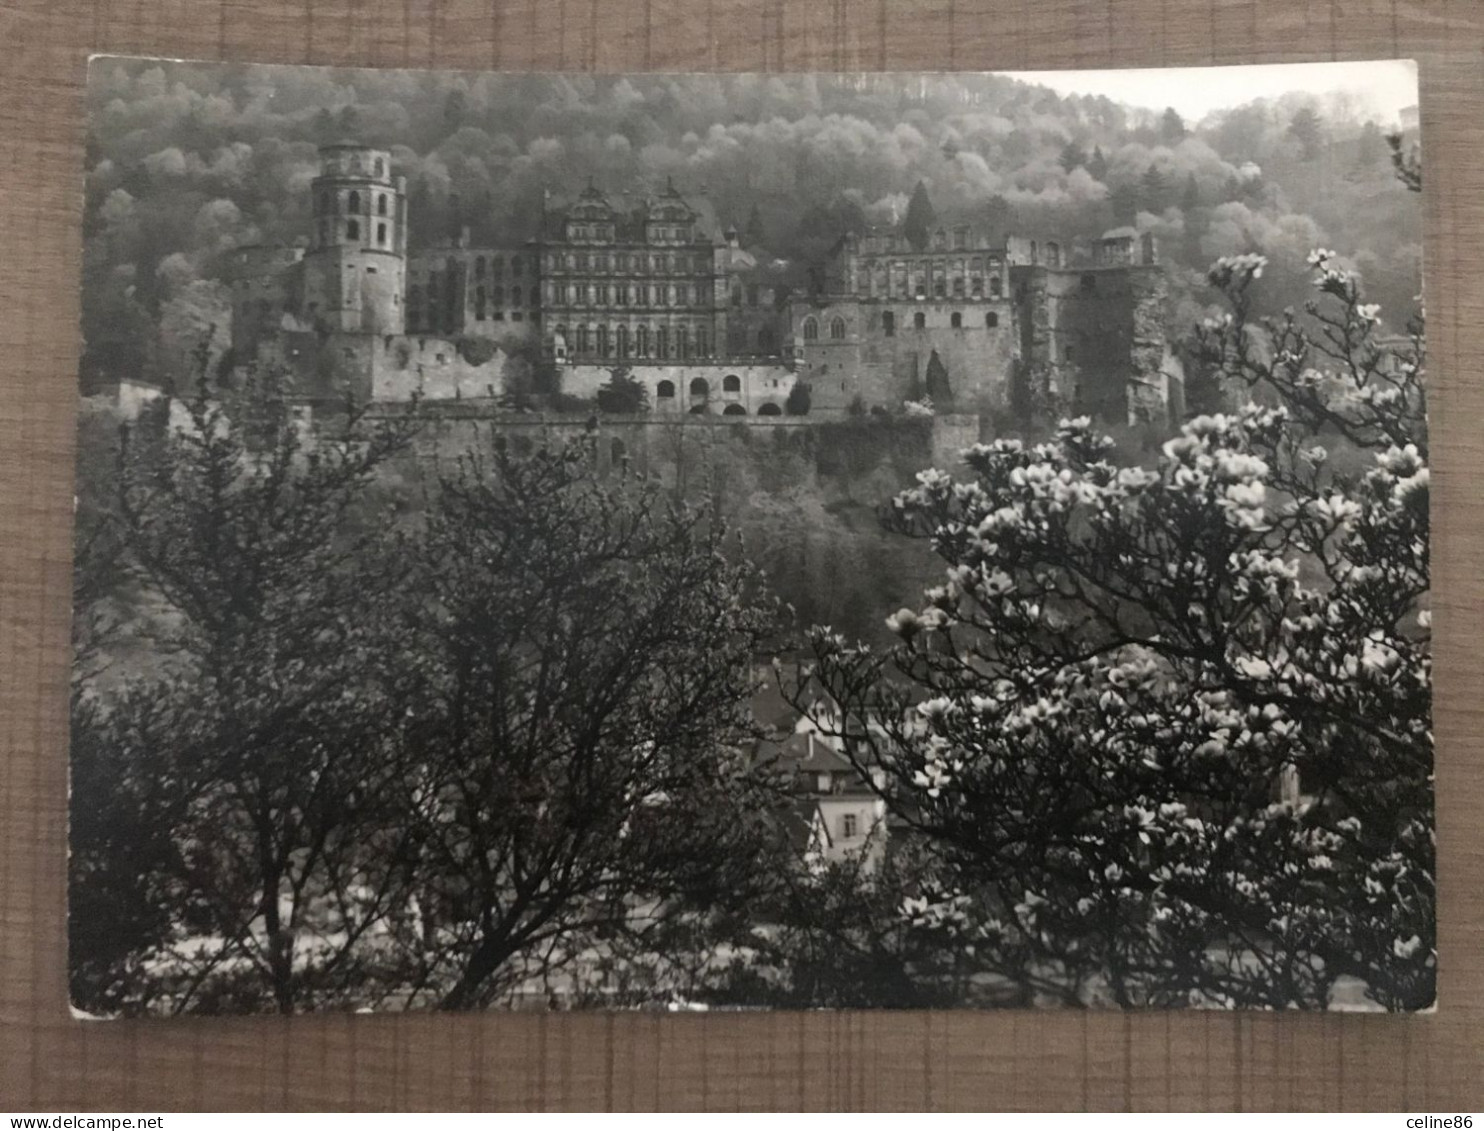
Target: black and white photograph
x,y
715,542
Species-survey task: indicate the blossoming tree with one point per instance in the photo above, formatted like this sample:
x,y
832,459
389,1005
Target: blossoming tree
x,y
1168,727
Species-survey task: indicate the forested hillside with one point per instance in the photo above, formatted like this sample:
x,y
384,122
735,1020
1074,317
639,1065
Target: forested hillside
x,y
184,162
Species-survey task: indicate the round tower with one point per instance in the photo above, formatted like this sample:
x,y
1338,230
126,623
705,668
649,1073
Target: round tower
x,y
355,269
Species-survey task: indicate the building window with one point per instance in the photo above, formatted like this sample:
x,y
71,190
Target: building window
x,y
479,268
380,167
582,339
479,299
769,409
515,295
623,341
699,390
682,341
996,287
919,320
662,342
888,324
497,266
381,234
603,341
1067,354
956,320
848,827
517,265
736,294
940,287
991,319
665,391
641,341
353,203
837,330
811,330
703,346
734,410
731,383
381,205
352,230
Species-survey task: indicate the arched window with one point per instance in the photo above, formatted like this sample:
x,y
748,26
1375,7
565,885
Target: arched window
x,y
940,287
662,342
499,294
381,205
603,341
380,167
352,230
811,330
837,330
381,235
623,341
888,324
353,202
703,345
769,409
582,339
731,383
479,301
641,341
682,341
956,320
665,391
991,319
734,410
919,320
996,287
497,266
699,390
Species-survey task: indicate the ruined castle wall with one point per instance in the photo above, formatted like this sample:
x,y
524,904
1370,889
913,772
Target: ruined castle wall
x,y
404,366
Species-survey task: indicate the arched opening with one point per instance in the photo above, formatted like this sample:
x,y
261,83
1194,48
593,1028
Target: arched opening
x,y
380,167
888,324
479,303
381,205
352,230
919,320
734,410
381,234
641,341
769,409
698,409
991,319
996,287
811,330
837,330
731,383
956,320
621,340
665,391
353,202
699,389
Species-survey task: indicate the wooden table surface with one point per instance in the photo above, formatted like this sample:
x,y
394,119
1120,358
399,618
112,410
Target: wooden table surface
x,y
1010,1060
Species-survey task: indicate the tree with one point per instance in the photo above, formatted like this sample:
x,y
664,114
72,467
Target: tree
x,y
242,779
1124,203
1306,128
756,233
1097,164
585,648
920,218
799,399
1170,727
1153,189
1171,127
1073,156
623,393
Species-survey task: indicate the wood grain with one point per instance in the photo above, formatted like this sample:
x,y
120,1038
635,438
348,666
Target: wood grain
x,y
49,1062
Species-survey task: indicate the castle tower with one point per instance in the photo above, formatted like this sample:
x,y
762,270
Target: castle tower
x,y
355,269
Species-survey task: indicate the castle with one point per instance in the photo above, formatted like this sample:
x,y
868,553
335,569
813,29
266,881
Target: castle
x,y
977,320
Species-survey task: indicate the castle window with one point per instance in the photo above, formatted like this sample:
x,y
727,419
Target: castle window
x,y
961,238
888,324
996,287
848,826
479,267
940,287
662,342
1053,254
958,286
515,295
665,391
381,205
479,299
1089,284
811,330
380,167
1067,354
641,341
582,339
516,316
769,409
991,320
702,344
381,234
682,341
734,410
352,230
919,320
731,383
956,320
618,451
939,239
353,203
699,390
517,265
837,330
497,266
623,341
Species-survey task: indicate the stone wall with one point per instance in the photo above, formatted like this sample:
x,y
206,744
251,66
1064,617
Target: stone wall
x,y
760,387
